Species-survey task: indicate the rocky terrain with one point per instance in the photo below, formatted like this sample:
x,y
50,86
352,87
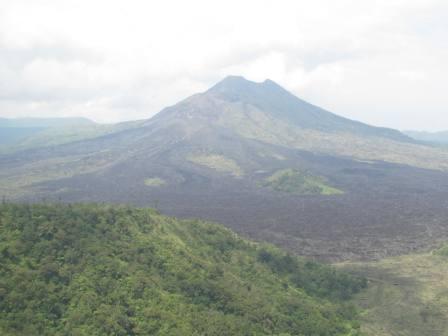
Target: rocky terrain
x,y
261,161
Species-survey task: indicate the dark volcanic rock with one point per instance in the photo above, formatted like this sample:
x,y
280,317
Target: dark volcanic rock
x,y
208,155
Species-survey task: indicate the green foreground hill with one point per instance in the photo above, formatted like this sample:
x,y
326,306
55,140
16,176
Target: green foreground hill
x,y
117,270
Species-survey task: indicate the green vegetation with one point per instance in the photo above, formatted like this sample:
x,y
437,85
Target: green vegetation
x,y
406,296
217,162
295,181
117,270
443,251
154,182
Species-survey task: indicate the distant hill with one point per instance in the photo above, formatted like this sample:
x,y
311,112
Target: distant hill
x,y
117,270
12,131
261,161
12,135
26,134
434,137
43,122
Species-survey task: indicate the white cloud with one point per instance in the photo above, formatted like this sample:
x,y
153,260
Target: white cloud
x,y
382,62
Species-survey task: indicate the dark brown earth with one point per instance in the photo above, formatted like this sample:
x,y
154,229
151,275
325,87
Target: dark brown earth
x,y
387,208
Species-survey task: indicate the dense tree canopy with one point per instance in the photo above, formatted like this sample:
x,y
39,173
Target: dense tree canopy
x,y
116,270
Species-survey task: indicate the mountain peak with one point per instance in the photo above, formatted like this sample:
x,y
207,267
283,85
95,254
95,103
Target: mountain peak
x,y
239,82
268,81
238,88
234,78
273,99
274,102
231,83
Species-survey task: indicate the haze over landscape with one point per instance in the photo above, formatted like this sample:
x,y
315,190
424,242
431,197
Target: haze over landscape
x,y
209,168
381,62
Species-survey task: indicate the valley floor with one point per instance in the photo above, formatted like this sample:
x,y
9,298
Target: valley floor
x,y
406,296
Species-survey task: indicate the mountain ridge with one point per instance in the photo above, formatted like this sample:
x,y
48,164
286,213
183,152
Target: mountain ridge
x,y
282,103
230,154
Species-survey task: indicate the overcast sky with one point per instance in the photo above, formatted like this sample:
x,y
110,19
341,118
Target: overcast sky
x,y
380,62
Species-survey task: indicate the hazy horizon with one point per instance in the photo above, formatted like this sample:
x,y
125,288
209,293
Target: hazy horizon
x,y
381,63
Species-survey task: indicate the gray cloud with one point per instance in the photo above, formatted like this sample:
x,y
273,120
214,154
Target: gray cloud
x,y
382,62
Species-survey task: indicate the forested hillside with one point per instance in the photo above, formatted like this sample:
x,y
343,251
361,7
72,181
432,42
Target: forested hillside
x,y
108,270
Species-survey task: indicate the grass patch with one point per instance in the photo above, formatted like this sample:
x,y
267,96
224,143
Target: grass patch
x,y
154,182
295,181
443,251
217,162
272,155
407,295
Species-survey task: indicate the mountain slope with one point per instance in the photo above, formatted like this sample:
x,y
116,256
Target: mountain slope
x,y
266,112
212,154
102,270
268,96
